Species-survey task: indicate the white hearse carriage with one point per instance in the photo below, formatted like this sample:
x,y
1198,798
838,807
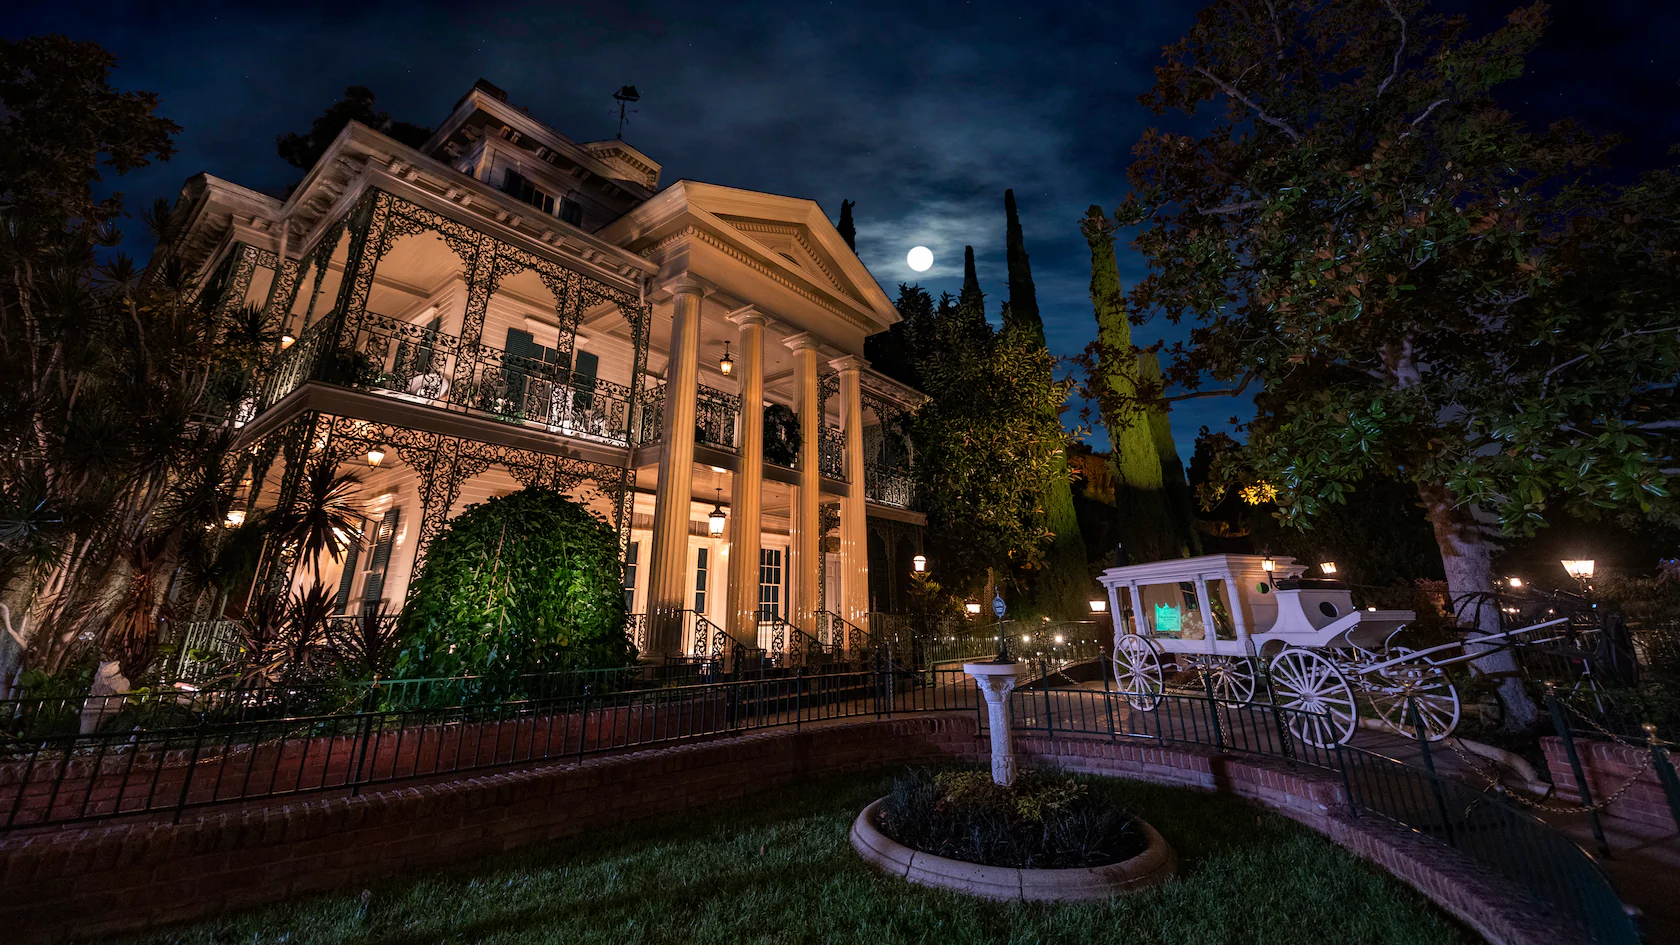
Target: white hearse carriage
x,y
1222,616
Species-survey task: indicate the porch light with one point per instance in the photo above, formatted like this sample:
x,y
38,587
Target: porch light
x,y
1328,567
919,564
1099,605
235,518
286,341
973,608
1580,570
1267,564
376,456
726,364
714,521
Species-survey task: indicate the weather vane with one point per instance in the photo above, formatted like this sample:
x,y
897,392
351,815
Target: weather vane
x,y
624,97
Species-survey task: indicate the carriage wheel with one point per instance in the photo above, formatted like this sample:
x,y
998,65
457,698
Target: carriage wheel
x,y
1137,671
1436,697
1231,678
1307,682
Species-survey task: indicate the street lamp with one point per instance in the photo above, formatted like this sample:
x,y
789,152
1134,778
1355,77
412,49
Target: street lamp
x,y
1580,570
715,521
1099,605
1328,567
1515,582
973,608
919,564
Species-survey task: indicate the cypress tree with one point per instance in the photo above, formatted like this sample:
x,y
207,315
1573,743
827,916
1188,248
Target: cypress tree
x,y
1144,525
1180,502
968,317
1023,299
848,231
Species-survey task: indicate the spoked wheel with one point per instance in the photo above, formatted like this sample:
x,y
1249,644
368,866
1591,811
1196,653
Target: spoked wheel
x,y
1393,691
1137,671
1233,679
1324,713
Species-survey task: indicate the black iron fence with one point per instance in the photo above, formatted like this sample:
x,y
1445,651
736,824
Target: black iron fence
x,y
1559,877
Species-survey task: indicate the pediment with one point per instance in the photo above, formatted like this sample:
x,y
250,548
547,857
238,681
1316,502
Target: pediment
x,y
794,242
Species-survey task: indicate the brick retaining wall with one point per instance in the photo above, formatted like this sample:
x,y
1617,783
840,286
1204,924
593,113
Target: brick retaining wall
x,y
92,882
1607,767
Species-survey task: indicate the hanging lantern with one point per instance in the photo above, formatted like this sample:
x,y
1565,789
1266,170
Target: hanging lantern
x,y
726,364
715,521
286,341
376,456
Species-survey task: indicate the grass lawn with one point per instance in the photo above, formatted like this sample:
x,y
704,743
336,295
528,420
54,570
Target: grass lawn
x,y
782,870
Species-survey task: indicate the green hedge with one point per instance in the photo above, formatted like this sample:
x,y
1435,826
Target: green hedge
x,y
523,583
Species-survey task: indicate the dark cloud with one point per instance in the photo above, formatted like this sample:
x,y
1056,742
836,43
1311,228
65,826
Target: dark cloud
x,y
923,114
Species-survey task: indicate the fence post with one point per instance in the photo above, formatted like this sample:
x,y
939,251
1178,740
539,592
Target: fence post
x,y
583,722
1665,771
1560,724
192,765
798,695
1044,686
1429,766
1347,782
364,734
887,673
1213,711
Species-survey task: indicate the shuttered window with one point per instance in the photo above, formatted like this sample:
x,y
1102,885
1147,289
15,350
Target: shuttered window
x,y
347,580
373,587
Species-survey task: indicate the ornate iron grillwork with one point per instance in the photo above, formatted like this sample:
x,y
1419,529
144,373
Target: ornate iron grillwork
x,y
889,486
831,453
716,417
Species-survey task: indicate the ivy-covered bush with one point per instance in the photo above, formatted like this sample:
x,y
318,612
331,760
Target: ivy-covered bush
x,y
523,583
1043,821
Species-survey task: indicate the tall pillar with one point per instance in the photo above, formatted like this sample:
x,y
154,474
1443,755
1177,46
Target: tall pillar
x,y
807,523
747,491
668,564
854,522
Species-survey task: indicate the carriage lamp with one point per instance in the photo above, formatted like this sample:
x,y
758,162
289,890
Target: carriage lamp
x,y
726,364
1267,564
714,521
376,456
973,608
1580,570
1099,605
918,564
1371,609
235,518
1328,567
286,341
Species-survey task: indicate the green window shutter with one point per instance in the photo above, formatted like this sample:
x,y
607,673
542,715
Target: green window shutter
x,y
583,380
386,537
348,578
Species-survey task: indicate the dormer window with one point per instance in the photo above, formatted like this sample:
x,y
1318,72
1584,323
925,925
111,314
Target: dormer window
x,y
516,184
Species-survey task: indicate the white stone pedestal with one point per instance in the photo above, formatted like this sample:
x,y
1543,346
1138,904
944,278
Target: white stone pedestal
x,y
996,681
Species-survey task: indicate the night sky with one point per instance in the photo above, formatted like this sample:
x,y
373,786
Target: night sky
x,y
921,113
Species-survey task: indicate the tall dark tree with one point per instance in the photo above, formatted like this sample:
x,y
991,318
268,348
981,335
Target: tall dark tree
x,y
1181,507
1144,527
967,315
1023,298
303,150
1420,286
848,231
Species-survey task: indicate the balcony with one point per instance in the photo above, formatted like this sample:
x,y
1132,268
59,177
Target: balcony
x,y
889,485
424,366
717,417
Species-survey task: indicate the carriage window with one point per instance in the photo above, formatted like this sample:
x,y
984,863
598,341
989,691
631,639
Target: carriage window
x,y
1328,609
1219,599
1172,610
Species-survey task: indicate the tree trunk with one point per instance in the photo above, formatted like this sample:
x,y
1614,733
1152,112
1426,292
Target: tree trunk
x,y
1467,557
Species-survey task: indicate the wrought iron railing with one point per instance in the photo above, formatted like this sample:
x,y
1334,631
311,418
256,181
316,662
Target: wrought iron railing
x,y
831,453
650,412
291,367
716,418
843,635
889,486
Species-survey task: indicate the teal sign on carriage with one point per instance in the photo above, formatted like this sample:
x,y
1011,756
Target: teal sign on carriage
x,y
1166,619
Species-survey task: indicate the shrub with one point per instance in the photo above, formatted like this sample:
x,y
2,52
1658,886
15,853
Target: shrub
x,y
524,583
1044,821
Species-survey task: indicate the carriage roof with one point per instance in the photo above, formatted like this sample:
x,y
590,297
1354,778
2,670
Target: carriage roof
x,y
1235,567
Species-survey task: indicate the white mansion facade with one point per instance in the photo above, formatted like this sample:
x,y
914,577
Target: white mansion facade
x,y
505,307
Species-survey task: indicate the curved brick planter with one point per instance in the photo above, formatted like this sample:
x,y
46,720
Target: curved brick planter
x,y
1154,866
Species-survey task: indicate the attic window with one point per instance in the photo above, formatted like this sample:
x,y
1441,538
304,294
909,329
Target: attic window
x,y
516,184
571,212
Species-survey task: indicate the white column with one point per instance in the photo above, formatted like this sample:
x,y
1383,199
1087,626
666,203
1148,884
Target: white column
x,y
854,521
668,564
807,530
747,488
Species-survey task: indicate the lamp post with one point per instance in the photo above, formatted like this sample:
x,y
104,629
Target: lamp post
x,y
1581,569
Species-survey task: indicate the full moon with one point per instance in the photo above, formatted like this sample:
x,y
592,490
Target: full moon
x,y
920,258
